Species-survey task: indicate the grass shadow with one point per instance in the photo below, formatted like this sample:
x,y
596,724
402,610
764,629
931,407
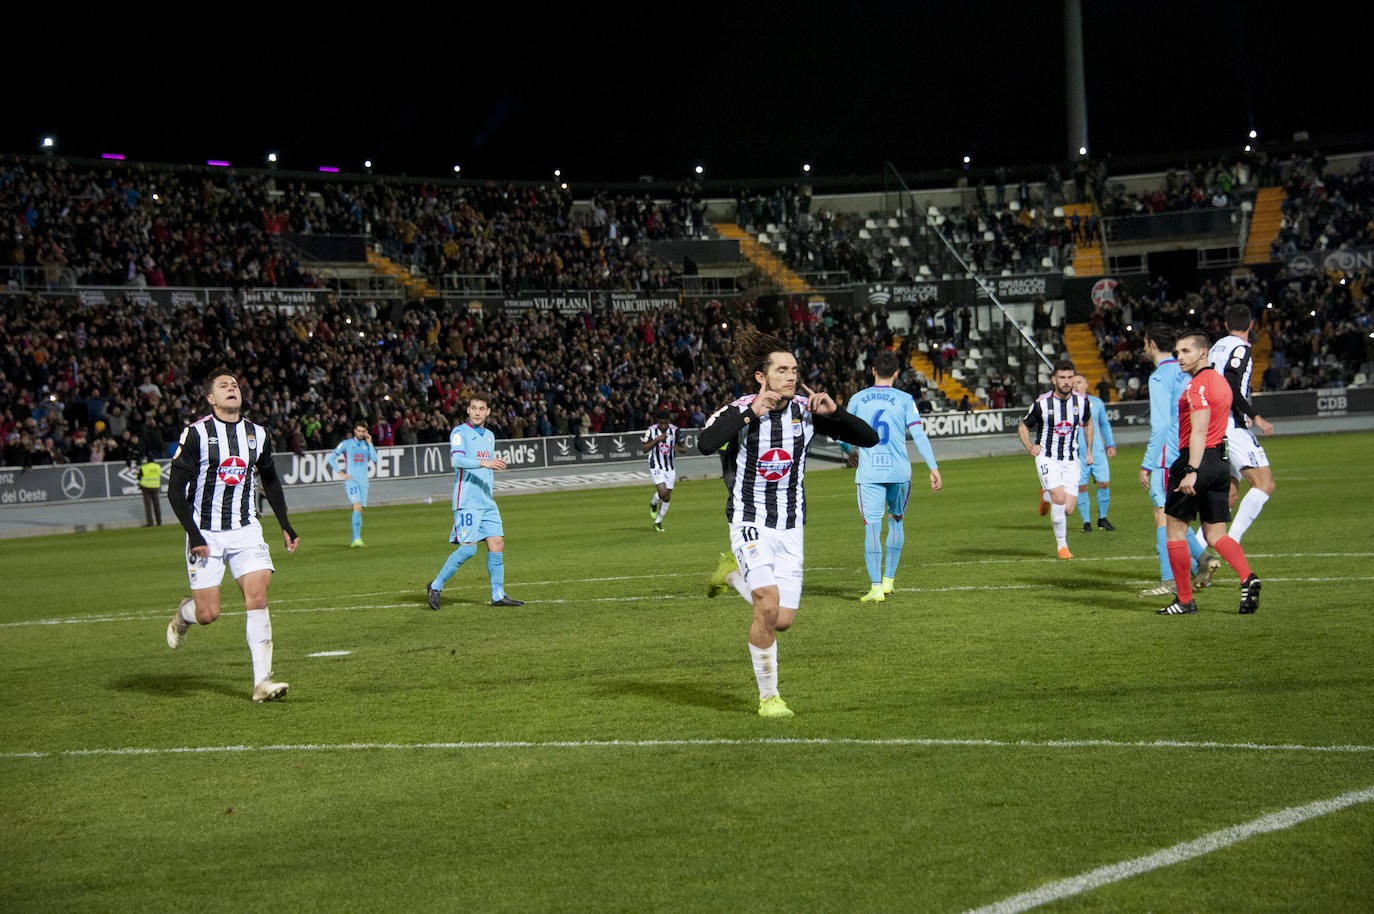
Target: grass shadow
x,y
687,694
176,685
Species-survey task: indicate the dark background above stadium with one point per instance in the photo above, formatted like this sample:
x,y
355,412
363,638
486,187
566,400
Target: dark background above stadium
x,y
611,93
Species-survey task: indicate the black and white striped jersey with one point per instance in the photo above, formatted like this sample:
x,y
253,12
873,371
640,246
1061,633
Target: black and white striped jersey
x,y
1054,424
1231,356
662,456
766,464
221,459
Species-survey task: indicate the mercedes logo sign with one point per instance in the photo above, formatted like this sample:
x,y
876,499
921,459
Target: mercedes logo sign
x,y
73,483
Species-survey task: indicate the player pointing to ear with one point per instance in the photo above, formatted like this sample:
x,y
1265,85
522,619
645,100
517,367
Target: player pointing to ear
x,y
767,436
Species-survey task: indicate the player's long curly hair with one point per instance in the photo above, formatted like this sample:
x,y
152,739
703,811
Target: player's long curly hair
x,y
753,350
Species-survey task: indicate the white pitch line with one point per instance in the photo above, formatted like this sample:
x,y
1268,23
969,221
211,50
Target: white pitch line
x,y
690,743
1104,875
329,654
157,614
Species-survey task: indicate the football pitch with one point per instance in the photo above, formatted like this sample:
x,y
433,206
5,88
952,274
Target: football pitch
x,y
1006,730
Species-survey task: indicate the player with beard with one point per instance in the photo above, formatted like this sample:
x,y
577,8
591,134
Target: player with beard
x,y
1203,477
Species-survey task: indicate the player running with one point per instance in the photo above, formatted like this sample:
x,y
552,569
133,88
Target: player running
x,y
475,516
1049,433
660,443
769,434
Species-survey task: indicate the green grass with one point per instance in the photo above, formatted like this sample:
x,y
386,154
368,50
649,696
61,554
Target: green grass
x,y
598,749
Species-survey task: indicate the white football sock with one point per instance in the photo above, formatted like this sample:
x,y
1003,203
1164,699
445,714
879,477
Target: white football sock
x,y
736,580
1199,538
1060,524
662,510
1246,512
260,643
765,668
655,501
188,612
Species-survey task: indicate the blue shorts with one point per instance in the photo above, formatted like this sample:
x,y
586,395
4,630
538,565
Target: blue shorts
x,y
1099,470
1157,478
878,498
473,525
357,491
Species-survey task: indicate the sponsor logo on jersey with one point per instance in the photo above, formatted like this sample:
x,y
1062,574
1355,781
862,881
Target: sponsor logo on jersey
x,y
232,470
774,464
1063,427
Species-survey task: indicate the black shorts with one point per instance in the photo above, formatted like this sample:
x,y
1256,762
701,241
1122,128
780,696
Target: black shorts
x,y
1213,489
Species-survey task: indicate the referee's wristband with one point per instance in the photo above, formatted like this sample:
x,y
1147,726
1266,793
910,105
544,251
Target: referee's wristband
x,y
1187,470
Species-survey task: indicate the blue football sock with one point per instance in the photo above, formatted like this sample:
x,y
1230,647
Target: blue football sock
x,y
896,536
1104,500
1166,571
873,551
1083,506
496,569
357,525
455,558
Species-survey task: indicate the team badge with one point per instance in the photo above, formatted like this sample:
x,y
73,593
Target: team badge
x,y
232,471
775,464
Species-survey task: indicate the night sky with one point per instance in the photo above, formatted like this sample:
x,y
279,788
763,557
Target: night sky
x,y
748,90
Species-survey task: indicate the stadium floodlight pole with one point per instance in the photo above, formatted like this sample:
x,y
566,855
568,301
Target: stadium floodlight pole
x,y
992,296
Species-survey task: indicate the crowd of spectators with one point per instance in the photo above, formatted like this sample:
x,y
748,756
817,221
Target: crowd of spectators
x,y
134,225
117,382
1318,327
1326,212
1203,185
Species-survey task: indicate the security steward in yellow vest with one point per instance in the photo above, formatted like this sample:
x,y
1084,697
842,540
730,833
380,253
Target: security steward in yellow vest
x,y
150,481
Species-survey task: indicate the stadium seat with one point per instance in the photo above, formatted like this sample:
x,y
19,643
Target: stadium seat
x,y
1013,362
1360,379
863,232
763,237
893,223
1046,263
1014,206
989,236
1068,271
1059,212
933,211
925,269
870,224
904,242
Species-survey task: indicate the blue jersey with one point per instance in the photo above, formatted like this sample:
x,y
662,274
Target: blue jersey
x,y
472,483
356,454
892,413
1167,383
1102,430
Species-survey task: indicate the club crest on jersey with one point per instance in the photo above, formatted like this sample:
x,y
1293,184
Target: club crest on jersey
x,y
774,464
232,470
1063,427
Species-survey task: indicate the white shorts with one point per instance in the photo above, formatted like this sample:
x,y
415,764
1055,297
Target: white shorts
x,y
1242,450
242,550
663,477
770,558
1058,474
